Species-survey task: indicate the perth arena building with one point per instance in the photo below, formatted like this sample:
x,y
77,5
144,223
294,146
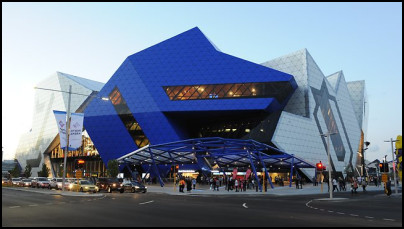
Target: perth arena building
x,y
184,93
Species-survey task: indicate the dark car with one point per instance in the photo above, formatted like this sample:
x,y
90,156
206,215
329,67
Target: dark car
x,y
109,184
134,186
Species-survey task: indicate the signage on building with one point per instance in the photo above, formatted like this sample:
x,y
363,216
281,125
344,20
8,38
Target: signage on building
x,y
79,174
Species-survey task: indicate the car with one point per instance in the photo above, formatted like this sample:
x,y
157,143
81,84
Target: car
x,y
15,181
5,181
25,183
109,184
83,186
134,186
40,182
56,183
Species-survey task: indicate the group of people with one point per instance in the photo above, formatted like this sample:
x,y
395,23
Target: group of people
x,y
189,182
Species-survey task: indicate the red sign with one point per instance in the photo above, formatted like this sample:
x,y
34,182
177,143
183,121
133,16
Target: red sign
x,y
234,173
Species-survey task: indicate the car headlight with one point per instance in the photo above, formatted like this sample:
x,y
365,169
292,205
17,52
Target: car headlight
x,y
137,186
70,185
114,185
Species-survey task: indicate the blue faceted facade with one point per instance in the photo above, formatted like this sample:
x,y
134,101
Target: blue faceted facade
x,y
160,95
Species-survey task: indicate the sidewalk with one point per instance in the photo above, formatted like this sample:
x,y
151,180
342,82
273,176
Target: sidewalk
x,y
278,190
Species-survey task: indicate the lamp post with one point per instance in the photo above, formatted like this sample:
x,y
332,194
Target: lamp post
x,y
394,164
66,151
328,134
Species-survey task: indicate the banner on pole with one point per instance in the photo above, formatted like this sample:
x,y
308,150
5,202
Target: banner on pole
x,y
76,130
247,174
60,117
234,173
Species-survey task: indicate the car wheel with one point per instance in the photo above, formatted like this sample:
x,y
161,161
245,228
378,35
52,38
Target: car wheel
x,y
109,190
81,189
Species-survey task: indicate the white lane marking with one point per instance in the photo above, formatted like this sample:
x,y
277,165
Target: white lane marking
x,y
113,198
369,217
151,201
389,219
244,205
48,204
330,211
353,215
341,213
14,206
33,205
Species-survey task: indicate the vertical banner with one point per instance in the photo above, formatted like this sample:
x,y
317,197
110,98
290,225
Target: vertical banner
x,y
76,129
234,173
247,174
60,117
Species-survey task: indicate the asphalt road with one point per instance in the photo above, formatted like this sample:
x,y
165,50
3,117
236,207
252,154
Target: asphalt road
x,y
20,208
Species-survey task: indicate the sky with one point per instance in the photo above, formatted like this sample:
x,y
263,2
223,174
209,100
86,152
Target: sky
x,y
91,40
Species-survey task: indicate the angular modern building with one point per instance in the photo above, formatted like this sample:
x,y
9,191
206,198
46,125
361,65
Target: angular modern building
x,y
185,87
41,144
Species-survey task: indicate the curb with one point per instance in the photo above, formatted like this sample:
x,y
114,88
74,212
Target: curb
x,y
56,193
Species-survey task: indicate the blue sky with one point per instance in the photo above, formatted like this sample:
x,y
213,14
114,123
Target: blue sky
x,y
91,40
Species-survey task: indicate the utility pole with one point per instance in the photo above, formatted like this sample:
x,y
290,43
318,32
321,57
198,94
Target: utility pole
x,y
328,134
394,164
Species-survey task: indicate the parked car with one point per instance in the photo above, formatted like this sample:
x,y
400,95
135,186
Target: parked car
x,y
15,181
25,183
5,181
134,186
83,186
40,182
109,184
56,183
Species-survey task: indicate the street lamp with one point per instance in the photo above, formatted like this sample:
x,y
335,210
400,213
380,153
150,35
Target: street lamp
x,y
394,164
329,161
68,125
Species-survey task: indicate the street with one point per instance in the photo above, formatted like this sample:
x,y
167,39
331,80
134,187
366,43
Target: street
x,y
21,208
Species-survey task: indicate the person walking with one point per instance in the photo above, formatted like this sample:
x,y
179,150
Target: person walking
x,y
387,187
354,186
193,183
217,184
182,185
334,185
364,184
236,184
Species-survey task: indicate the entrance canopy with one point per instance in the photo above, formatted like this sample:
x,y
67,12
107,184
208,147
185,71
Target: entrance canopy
x,y
214,150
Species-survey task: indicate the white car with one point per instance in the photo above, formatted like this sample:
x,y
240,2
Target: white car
x,y
56,183
15,181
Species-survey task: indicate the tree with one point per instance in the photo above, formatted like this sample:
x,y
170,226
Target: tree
x,y
44,172
113,168
27,171
16,171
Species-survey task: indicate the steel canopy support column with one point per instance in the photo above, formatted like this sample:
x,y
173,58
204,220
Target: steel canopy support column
x,y
266,171
254,170
156,169
291,171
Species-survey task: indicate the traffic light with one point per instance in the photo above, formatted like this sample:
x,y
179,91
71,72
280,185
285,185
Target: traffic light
x,y
319,166
384,167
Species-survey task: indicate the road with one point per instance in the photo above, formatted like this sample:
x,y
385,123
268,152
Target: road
x,y
20,208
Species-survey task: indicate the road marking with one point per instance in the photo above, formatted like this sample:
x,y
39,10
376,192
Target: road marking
x,y
389,219
330,211
369,217
341,213
33,205
15,206
48,204
353,215
113,198
147,202
321,209
244,205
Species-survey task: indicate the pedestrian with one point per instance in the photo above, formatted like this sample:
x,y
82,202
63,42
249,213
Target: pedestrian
x,y
236,184
334,185
387,187
241,185
182,185
245,185
364,184
193,183
354,186
375,180
189,185
217,184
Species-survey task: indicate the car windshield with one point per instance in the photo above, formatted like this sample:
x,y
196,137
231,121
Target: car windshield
x,y
42,179
84,182
136,183
115,180
59,180
16,179
26,180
